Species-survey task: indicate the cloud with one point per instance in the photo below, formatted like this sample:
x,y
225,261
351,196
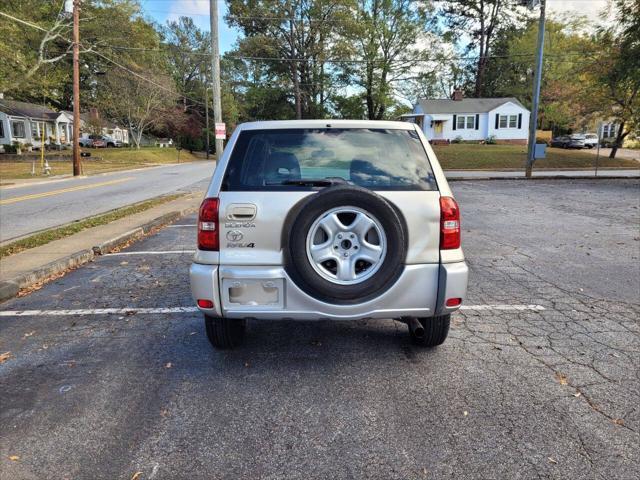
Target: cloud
x,y
586,8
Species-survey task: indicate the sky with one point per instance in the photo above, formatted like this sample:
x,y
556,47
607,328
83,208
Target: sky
x,y
163,10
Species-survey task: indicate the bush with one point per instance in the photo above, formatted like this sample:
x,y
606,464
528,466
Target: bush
x,y
458,139
491,140
11,148
542,140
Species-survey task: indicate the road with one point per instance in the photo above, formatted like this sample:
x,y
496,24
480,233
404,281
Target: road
x,y
525,394
30,208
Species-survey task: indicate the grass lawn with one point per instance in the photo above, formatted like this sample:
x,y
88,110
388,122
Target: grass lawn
x,y
474,156
101,161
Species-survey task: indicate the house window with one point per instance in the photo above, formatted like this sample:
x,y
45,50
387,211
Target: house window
x,y
508,121
1,129
17,129
466,122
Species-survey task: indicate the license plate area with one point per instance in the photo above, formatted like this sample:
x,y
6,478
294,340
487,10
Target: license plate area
x,y
253,293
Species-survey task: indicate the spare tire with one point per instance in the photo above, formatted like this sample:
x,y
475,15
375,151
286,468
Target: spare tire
x,y
344,245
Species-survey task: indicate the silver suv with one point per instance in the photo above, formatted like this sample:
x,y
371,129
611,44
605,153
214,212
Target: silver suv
x,y
318,219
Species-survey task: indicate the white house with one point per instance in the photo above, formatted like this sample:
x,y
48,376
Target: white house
x,y
29,123
472,119
106,127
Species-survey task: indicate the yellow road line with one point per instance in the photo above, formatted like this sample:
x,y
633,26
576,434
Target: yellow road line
x,y
63,190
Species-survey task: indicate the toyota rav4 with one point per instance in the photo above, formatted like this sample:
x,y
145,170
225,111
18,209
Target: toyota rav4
x,y
343,220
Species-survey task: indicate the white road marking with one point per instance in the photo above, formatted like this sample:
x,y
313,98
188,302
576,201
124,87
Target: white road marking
x,y
169,310
152,252
502,307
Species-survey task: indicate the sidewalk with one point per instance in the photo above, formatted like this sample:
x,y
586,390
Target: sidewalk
x,y
519,174
36,265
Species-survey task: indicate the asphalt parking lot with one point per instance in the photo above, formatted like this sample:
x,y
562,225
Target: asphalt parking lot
x,y
551,390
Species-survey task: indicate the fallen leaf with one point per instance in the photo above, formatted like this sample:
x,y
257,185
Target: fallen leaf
x,y
552,460
577,394
27,335
561,378
465,413
168,365
136,476
618,421
124,263
5,356
164,412
14,458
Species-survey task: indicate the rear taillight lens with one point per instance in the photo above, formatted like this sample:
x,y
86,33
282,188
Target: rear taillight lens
x,y
208,238
449,224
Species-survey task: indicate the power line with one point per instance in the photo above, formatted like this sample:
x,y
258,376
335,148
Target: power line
x,y
95,52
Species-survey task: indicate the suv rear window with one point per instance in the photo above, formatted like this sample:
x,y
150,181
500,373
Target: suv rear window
x,y
378,159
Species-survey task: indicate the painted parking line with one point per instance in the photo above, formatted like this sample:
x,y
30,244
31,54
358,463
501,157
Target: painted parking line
x,y
170,310
150,252
502,307
63,190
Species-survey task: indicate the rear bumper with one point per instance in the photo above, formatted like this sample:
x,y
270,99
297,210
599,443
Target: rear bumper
x,y
420,291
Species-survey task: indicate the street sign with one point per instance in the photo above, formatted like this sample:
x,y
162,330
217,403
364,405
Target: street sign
x,y
221,131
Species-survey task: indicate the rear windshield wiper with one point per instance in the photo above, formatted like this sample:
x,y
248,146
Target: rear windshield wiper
x,y
315,182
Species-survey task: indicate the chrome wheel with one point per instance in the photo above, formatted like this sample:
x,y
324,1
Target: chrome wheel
x,y
346,245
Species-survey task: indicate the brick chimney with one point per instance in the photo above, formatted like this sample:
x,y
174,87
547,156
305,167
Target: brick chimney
x,y
457,95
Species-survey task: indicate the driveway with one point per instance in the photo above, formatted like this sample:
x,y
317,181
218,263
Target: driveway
x,y
538,379
630,153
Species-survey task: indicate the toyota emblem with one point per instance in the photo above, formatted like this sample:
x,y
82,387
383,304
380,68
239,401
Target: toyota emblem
x,y
234,235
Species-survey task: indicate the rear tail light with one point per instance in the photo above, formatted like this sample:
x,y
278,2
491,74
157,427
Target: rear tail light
x,y
203,303
449,224
453,302
208,237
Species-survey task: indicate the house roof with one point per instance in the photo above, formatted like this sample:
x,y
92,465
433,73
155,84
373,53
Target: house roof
x,y
466,105
24,109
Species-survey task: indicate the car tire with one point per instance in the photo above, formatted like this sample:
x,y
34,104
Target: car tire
x,y
436,330
306,276
225,333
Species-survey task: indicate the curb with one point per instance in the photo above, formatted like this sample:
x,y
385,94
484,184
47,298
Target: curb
x,y
541,177
10,288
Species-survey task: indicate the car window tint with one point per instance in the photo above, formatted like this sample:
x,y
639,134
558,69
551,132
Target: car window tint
x,y
378,159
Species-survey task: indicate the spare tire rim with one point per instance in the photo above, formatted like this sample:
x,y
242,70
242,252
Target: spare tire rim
x,y
346,245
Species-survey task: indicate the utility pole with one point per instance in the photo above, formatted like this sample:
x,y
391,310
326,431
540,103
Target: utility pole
x,y
215,69
206,112
533,121
77,168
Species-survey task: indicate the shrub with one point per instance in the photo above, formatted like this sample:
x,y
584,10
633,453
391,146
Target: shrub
x,y
491,140
458,139
542,140
11,148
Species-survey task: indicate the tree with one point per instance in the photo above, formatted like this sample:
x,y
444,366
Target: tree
x,y
616,71
389,41
141,100
480,21
302,35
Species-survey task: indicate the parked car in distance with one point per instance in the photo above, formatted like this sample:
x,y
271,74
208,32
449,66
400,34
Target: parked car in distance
x,y
590,140
575,140
317,219
111,142
85,142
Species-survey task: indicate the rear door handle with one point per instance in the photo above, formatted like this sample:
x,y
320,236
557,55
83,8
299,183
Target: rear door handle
x,y
241,212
